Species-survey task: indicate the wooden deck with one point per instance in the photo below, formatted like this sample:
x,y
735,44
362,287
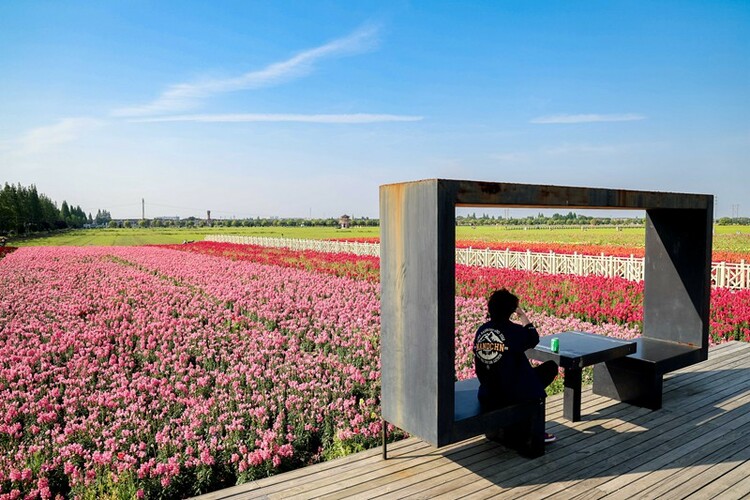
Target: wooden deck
x,y
697,446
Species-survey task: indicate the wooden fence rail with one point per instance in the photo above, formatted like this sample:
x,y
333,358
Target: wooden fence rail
x,y
723,274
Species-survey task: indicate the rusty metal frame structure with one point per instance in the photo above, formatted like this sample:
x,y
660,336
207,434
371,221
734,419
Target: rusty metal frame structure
x,y
417,227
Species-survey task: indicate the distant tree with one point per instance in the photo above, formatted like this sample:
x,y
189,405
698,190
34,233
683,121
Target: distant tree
x,y
102,217
65,211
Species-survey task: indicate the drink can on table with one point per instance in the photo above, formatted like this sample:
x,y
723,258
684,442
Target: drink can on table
x,y
555,345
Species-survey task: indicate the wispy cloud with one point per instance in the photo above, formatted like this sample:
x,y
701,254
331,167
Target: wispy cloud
x,y
65,130
590,118
183,96
274,117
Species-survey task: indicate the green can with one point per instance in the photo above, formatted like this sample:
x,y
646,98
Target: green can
x,y
554,345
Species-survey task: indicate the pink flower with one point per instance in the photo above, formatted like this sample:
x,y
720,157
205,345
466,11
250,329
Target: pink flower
x,y
206,457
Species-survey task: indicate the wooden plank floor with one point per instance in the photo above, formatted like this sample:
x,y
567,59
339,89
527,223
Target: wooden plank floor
x,y
696,446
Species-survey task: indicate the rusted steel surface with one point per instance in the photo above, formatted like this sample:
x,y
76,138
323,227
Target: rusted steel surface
x,y
417,301
506,194
503,194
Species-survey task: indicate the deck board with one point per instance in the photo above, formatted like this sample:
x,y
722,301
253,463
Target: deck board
x,y
696,446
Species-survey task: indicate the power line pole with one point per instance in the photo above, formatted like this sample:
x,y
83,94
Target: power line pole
x,y
143,208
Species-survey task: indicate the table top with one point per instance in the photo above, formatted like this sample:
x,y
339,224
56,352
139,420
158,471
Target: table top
x,y
579,349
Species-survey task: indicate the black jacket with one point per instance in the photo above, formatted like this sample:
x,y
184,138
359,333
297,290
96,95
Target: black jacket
x,y
505,374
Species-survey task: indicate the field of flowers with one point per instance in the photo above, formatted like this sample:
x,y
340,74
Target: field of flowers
x,y
152,372
593,299
166,372
735,251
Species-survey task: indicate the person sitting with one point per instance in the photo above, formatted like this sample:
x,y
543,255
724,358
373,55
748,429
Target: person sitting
x,y
504,372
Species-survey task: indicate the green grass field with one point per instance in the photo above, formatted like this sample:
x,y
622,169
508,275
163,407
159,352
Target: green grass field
x,y
165,236
729,238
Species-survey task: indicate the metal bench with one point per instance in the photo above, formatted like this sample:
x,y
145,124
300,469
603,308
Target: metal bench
x,y
637,378
676,297
523,423
524,420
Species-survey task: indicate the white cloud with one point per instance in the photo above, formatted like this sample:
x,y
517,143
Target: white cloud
x,y
276,117
590,118
65,130
184,96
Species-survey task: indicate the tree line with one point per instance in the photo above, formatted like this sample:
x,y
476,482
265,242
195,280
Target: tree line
x,y
734,221
24,210
569,219
248,222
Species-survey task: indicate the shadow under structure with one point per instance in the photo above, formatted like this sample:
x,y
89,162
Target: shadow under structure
x,y
419,392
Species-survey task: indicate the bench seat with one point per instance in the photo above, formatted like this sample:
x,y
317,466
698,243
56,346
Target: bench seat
x,y
638,377
470,420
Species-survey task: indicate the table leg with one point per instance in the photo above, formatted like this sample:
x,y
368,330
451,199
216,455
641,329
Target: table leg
x,y
572,397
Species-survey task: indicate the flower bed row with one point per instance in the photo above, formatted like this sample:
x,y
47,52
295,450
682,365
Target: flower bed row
x,y
594,299
150,372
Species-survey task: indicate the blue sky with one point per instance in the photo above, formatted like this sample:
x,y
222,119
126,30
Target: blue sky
x,y
305,108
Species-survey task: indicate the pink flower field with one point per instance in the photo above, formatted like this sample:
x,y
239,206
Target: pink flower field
x,y
151,372
155,372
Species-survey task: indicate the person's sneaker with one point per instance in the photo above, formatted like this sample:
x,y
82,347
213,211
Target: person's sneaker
x,y
549,438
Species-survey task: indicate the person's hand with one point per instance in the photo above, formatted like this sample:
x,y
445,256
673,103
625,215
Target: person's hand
x,y
522,316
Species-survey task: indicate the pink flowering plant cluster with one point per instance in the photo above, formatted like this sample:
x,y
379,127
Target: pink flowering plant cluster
x,y
150,372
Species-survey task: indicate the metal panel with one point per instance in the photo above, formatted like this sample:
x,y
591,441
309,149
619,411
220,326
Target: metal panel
x,y
418,308
677,276
473,193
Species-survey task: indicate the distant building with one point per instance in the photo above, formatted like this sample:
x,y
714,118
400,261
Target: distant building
x,y
345,221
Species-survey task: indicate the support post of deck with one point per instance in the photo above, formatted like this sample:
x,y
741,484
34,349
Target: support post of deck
x,y
385,440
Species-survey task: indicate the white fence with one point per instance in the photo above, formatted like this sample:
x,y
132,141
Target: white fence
x,y
630,268
723,274
372,249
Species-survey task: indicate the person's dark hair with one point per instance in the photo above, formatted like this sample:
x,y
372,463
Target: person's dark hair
x,y
501,305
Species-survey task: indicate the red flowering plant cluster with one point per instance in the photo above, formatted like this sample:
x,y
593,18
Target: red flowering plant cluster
x,y
5,251
338,264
